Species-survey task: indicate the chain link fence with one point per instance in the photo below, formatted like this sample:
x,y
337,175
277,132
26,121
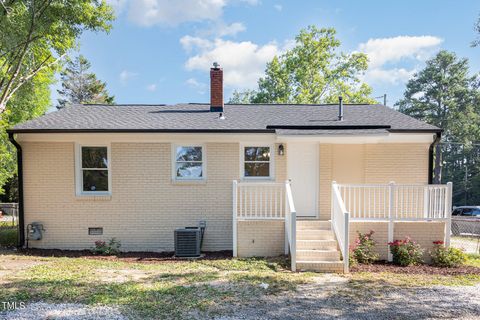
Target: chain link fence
x,y
466,234
8,224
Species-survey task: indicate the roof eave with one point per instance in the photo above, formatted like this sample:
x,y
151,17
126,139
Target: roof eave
x,y
140,130
269,129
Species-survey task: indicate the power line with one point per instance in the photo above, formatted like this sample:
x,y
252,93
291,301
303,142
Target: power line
x,y
384,99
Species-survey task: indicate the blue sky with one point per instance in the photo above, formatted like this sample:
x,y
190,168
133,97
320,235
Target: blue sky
x,y
160,51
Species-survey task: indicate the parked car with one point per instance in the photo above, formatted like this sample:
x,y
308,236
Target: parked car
x,y
466,221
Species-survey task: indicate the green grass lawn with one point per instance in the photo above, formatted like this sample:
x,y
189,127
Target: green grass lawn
x,y
170,289
180,288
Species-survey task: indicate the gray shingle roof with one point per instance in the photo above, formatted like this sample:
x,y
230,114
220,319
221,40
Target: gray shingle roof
x,y
289,119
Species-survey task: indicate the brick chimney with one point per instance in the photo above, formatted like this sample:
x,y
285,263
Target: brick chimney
x,y
216,88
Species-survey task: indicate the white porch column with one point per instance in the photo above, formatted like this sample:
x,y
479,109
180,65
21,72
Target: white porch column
x,y
391,197
448,214
234,217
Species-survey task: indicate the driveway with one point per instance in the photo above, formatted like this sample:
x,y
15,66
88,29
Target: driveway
x,y
330,297
336,298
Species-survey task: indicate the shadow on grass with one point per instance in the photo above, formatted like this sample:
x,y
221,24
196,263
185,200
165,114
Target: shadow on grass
x,y
134,256
158,295
160,299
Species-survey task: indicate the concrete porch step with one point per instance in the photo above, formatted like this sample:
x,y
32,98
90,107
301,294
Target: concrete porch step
x,y
313,225
316,244
315,234
320,266
318,255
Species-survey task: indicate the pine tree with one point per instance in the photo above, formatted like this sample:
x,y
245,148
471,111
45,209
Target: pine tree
x,y
80,86
446,95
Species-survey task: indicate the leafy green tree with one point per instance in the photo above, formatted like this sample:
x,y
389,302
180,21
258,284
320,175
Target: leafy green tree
x,y
36,34
80,86
313,71
446,95
30,101
242,97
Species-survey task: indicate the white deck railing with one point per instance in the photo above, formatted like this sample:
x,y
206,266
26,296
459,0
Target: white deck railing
x,y
394,203
403,202
265,201
340,224
260,200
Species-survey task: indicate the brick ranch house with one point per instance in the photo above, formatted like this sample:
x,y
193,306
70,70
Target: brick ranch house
x,y
267,179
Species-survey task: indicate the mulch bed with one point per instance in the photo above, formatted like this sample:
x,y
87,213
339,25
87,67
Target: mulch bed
x,y
384,266
137,257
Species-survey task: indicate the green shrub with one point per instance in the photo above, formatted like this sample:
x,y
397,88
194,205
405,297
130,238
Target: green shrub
x,y
363,251
8,236
447,258
406,252
106,249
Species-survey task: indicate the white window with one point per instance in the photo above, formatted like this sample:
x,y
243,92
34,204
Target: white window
x,y
189,162
93,169
257,162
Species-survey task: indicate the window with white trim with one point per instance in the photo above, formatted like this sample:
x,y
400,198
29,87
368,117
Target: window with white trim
x,y
257,162
189,163
94,170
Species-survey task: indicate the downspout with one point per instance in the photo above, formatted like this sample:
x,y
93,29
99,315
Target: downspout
x,y
436,141
21,220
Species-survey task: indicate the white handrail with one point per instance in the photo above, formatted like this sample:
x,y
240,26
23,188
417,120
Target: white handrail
x,y
340,222
401,202
291,225
260,201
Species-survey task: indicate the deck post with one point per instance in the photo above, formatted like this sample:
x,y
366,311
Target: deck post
x,y
346,245
391,195
234,217
334,184
426,202
287,219
448,214
293,235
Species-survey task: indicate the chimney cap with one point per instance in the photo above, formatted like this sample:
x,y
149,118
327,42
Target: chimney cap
x,y
216,65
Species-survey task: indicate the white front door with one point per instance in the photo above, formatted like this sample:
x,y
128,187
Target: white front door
x,y
302,168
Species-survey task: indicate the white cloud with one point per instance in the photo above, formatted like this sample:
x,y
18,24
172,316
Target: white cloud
x,y
243,62
174,12
230,29
189,43
392,76
117,5
152,87
199,86
384,52
251,2
381,51
125,76
278,7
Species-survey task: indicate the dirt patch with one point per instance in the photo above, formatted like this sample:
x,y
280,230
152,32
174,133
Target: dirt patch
x,y
21,264
11,266
134,257
420,269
